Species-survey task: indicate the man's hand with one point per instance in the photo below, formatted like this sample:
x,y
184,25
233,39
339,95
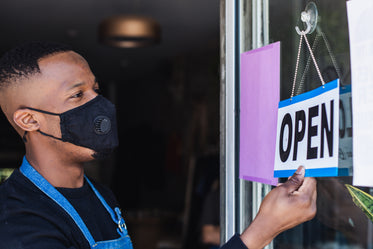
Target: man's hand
x,y
286,206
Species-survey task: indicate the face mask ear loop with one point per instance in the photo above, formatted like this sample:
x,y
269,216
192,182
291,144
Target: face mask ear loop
x,y
24,137
42,111
48,135
45,134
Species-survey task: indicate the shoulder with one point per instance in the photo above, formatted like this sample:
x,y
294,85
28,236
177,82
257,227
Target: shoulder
x,y
16,189
18,192
29,217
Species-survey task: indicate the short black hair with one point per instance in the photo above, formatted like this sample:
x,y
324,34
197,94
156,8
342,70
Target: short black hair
x,y
22,61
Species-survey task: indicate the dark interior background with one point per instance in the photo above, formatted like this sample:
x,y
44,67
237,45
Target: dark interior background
x,y
167,99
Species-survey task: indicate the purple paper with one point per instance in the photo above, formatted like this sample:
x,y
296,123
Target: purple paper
x,y
260,93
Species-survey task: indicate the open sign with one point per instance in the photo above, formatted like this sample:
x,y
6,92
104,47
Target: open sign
x,y
308,133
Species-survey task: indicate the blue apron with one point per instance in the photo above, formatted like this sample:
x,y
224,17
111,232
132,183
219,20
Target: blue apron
x,y
124,242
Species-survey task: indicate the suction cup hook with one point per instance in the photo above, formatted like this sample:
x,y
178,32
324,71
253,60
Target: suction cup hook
x,y
308,16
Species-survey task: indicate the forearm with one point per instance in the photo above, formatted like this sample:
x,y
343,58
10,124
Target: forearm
x,y
259,234
286,206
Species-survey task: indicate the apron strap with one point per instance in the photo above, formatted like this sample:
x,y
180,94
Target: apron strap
x,y
40,182
116,215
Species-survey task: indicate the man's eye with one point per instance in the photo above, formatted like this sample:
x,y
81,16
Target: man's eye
x,y
77,95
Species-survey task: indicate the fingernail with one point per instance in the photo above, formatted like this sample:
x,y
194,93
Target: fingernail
x,y
300,170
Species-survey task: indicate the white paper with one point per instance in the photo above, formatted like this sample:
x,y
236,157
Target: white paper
x,y
360,20
325,161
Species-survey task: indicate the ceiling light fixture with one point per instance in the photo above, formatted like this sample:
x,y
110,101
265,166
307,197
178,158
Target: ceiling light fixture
x,y
129,31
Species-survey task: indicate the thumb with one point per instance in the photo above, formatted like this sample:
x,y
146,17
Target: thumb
x,y
295,181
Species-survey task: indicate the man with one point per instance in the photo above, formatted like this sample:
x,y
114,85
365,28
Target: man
x,y
49,95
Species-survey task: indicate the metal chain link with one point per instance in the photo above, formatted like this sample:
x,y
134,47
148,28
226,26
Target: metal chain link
x,y
297,63
296,66
314,61
300,86
331,54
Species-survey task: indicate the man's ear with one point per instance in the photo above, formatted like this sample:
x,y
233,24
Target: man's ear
x,y
26,120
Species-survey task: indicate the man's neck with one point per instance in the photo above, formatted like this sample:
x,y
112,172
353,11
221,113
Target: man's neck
x,y
57,172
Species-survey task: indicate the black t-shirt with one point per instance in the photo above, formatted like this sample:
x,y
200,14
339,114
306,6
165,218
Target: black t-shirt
x,y
234,243
31,220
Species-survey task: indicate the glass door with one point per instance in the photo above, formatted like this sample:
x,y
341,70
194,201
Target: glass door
x,y
249,24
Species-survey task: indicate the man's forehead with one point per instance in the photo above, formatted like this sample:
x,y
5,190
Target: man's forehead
x,y
62,57
59,73
65,69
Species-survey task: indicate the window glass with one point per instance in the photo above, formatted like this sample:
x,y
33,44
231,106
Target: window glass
x,y
338,223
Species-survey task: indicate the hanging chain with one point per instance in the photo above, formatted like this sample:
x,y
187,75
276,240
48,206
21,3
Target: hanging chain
x,y
297,63
314,61
296,66
300,86
331,54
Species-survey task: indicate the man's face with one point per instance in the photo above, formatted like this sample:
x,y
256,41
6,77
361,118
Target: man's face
x,y
65,82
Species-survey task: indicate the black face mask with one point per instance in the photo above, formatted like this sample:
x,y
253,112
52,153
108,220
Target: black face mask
x,y
92,125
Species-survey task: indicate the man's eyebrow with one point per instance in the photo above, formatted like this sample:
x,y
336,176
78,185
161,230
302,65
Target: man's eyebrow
x,y
76,85
80,84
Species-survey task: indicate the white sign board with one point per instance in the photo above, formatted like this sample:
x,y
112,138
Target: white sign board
x,y
308,132
360,19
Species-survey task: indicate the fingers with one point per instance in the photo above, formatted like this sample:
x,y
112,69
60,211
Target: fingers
x,y
309,186
308,190
314,196
295,181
